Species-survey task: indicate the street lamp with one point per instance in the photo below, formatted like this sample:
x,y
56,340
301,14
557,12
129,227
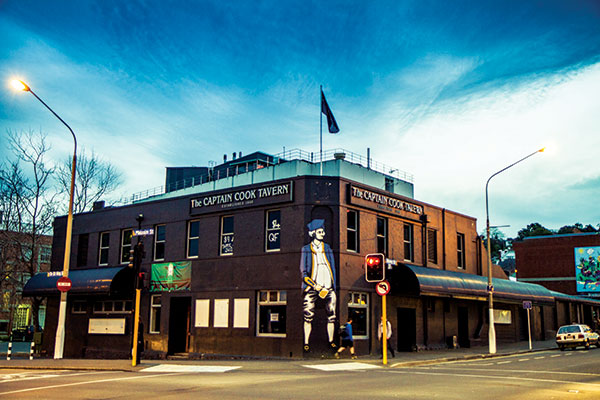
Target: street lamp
x,y
490,288
59,344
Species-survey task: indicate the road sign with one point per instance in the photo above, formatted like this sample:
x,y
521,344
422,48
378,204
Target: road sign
x,y
63,284
382,288
527,305
143,232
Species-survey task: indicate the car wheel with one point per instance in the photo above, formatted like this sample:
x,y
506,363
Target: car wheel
x,y
562,348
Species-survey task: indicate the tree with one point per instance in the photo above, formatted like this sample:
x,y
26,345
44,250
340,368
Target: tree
x,y
28,209
94,178
576,228
498,243
534,229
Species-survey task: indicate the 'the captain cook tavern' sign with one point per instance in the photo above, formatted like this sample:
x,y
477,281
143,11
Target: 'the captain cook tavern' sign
x,y
390,204
255,196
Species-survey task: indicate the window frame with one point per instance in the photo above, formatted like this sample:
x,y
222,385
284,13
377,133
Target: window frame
x,y
280,300
432,249
379,236
79,310
355,231
460,251
408,243
194,238
125,253
354,302
101,248
269,231
159,242
106,309
224,235
155,311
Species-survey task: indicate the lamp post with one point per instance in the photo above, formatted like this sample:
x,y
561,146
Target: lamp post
x,y
490,288
59,343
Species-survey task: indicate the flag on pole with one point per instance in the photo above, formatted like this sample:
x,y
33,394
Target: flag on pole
x,y
331,124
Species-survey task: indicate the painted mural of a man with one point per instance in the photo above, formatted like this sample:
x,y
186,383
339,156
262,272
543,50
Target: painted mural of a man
x,y
317,267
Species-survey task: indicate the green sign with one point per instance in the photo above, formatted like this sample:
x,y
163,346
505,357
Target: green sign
x,y
171,276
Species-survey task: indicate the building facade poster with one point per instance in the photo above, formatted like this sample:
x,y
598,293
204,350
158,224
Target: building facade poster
x,y
587,269
167,277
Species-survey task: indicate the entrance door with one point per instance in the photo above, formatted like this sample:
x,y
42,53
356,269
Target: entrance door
x,y
407,329
180,312
463,327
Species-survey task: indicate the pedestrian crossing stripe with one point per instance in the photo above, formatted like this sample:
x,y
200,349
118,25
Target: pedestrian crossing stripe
x,y
188,368
350,366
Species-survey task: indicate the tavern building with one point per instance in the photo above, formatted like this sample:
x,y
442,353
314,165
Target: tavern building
x,y
222,266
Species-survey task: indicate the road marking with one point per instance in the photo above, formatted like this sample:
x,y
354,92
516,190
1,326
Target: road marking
x,y
497,377
539,358
32,375
523,359
85,383
522,371
556,355
351,366
503,362
188,368
570,354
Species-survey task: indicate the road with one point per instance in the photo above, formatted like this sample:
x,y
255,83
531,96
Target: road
x,y
532,376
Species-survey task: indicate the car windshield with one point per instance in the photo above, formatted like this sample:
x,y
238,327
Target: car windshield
x,y
569,329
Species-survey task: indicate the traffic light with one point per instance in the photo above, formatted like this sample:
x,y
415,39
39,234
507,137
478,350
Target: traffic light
x,y
131,258
375,267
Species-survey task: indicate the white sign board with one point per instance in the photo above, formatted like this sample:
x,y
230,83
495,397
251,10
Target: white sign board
x,y
107,326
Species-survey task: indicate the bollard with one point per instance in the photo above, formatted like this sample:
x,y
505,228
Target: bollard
x,y
31,349
9,351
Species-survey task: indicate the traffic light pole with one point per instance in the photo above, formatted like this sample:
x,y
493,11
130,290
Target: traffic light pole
x,y
384,328
136,328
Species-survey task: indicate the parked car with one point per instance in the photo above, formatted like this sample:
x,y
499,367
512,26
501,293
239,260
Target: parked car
x,y
576,335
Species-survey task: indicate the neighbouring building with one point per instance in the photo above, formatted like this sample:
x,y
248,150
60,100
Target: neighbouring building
x,y
263,256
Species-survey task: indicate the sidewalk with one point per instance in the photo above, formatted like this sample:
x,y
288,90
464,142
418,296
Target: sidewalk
x,y
21,361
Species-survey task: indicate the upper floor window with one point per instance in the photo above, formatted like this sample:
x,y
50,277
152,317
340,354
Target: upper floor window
x,y
45,253
227,235
408,243
159,242
273,231
432,245
126,235
352,231
460,249
103,250
193,239
382,230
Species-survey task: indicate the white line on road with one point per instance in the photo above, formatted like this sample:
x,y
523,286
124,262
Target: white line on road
x,y
351,366
29,376
503,362
498,377
188,368
84,383
556,355
539,358
526,371
524,359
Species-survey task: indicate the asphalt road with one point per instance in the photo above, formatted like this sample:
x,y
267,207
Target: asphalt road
x,y
541,375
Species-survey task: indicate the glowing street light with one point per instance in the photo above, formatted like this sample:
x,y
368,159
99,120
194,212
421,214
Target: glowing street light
x,y
59,343
490,288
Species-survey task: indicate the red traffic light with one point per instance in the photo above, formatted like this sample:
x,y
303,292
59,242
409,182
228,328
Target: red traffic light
x,y
374,267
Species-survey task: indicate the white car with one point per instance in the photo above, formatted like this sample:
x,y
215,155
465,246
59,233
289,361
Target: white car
x,y
576,335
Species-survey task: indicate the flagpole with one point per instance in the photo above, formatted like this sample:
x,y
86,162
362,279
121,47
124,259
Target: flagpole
x,y
321,131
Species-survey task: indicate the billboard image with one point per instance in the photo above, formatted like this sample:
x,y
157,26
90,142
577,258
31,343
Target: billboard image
x,y
587,269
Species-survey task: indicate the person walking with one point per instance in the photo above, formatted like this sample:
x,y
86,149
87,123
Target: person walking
x,y
388,335
347,339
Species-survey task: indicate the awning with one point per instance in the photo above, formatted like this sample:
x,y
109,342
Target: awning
x,y
414,280
106,281
590,301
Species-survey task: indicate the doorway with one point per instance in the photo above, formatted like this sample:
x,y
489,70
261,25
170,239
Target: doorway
x,y
463,327
180,312
407,329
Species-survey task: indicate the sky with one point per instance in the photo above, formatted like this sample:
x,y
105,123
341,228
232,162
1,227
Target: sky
x,y
450,92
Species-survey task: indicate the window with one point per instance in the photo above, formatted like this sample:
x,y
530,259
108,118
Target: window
x,y
125,245
104,245
227,235
432,245
273,231
79,307
112,307
82,249
460,250
352,231
271,312
382,235
159,242
358,309
155,308
45,253
193,239
408,242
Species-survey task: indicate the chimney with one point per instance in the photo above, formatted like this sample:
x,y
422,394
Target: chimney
x,y
224,158
240,154
98,205
234,155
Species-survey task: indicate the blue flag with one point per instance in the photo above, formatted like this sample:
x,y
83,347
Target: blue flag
x,y
331,124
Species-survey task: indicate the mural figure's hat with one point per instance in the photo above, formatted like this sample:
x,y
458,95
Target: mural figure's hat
x,y
316,224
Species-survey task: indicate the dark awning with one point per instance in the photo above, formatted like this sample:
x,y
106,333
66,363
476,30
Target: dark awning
x,y
107,281
415,280
590,301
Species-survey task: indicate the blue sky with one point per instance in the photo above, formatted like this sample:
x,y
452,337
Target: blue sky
x,y
450,92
